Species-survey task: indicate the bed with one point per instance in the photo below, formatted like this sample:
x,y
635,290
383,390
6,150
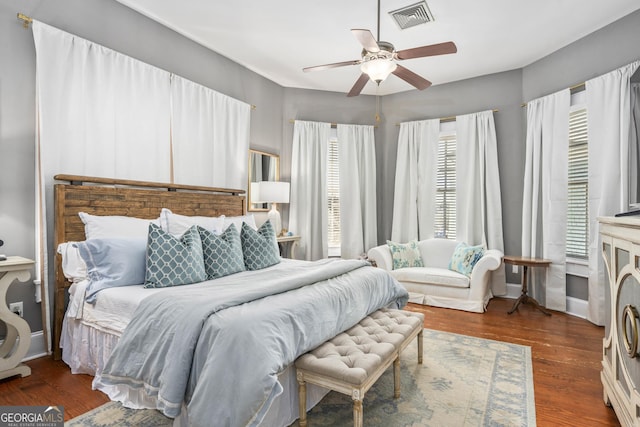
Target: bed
x,y
224,347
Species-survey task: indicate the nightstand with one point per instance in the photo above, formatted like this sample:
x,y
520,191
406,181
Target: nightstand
x,y
292,241
14,268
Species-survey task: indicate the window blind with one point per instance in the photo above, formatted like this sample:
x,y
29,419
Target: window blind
x,y
445,216
578,191
333,195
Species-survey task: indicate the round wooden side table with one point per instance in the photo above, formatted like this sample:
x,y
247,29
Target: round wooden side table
x,y
526,262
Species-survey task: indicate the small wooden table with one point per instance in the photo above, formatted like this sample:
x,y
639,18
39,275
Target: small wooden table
x,y
526,262
14,268
292,241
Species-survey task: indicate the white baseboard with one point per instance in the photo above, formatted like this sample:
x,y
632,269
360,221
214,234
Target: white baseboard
x,y
575,306
36,349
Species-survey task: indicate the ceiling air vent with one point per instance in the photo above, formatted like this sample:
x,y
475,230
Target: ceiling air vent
x,y
413,15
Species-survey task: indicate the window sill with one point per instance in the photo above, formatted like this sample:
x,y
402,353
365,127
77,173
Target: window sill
x,y
334,252
578,267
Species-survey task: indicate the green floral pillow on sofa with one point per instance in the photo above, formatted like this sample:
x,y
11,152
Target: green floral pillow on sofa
x,y
465,257
405,255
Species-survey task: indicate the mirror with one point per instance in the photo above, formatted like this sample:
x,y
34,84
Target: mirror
x,y
262,167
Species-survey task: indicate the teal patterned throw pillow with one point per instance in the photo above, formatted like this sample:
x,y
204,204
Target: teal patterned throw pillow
x,y
223,253
259,247
465,257
405,255
173,261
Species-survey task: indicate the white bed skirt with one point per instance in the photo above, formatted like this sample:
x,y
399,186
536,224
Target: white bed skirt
x,y
86,349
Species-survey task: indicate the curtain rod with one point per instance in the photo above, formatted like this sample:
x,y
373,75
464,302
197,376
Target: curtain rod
x,y
579,87
452,118
25,20
333,125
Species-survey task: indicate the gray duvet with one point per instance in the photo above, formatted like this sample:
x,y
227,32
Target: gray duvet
x,y
219,350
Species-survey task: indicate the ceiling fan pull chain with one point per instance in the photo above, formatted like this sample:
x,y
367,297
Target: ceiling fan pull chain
x,y
378,103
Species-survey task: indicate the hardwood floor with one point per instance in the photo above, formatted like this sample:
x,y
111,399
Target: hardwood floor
x,y
566,353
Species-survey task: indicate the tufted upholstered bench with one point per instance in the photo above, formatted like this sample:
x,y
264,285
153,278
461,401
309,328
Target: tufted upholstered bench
x,y
352,361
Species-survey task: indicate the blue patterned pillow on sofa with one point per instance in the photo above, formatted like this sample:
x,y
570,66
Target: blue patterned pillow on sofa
x,y
405,255
173,261
465,257
259,248
223,253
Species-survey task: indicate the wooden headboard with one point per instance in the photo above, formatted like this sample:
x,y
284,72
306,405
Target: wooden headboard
x,y
105,196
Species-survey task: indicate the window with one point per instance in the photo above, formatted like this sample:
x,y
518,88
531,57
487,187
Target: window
x,y
333,198
445,218
578,189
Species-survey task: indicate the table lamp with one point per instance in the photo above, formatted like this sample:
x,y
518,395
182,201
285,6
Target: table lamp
x,y
273,192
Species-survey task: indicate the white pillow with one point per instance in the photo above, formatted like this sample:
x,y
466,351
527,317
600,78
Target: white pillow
x,y
238,220
101,227
176,225
73,266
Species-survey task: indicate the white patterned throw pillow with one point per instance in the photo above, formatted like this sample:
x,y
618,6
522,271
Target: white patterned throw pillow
x,y
405,255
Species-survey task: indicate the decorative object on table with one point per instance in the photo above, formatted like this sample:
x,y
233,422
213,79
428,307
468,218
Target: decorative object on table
x,y
442,391
273,192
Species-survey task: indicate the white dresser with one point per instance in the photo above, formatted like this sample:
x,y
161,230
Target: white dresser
x,y
620,359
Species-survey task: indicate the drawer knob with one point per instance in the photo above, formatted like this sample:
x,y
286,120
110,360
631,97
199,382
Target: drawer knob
x,y
631,345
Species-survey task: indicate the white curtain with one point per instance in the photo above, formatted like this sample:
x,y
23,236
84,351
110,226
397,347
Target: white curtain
x,y
415,184
634,145
357,166
544,210
210,133
308,204
99,113
479,218
608,119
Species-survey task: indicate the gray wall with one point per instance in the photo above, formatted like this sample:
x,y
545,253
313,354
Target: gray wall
x,y
108,23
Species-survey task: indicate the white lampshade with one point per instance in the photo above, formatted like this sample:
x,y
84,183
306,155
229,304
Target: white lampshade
x,y
270,192
378,69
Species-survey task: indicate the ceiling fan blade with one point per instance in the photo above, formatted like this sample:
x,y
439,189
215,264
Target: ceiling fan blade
x,y
334,65
412,78
366,39
357,88
430,50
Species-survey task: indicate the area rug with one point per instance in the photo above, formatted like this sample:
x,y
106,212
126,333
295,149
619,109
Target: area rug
x,y
463,381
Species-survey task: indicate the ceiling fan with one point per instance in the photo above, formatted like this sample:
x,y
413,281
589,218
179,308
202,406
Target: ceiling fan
x,y
379,59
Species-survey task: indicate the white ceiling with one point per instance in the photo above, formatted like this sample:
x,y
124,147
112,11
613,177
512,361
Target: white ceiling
x,y
277,38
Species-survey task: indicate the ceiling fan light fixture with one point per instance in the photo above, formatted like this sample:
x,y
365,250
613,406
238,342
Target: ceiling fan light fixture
x,y
378,69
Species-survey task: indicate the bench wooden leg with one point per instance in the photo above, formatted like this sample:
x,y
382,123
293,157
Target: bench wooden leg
x,y
357,413
420,347
302,401
396,377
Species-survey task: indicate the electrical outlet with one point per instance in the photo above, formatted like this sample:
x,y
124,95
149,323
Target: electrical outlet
x,y
514,269
17,308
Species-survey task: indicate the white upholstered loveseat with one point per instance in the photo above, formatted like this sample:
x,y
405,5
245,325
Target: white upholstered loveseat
x,y
436,285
